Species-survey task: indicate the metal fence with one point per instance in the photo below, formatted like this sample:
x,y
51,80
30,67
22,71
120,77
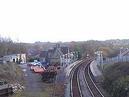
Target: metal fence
x,y
109,61
122,57
115,60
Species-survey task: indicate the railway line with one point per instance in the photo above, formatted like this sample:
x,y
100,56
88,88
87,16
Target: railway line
x,y
94,90
82,83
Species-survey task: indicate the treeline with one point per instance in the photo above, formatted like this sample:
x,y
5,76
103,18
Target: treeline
x,y
90,47
7,46
110,48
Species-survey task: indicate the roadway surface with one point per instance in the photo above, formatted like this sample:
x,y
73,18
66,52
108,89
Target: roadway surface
x,y
33,82
34,86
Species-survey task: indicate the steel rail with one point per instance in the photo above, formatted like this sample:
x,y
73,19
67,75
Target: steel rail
x,y
94,90
79,87
75,77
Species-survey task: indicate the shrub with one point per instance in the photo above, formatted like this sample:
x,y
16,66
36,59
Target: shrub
x,y
116,79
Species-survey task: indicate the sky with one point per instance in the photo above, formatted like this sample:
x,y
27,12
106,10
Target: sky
x,y
64,20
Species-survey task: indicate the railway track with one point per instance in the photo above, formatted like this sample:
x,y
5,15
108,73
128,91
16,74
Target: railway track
x,y
82,84
94,90
74,90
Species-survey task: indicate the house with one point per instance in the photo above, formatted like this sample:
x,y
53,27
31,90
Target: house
x,y
59,51
10,58
22,58
18,58
53,55
58,55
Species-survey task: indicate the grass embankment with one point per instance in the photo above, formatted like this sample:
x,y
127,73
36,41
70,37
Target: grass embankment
x,y
116,79
11,73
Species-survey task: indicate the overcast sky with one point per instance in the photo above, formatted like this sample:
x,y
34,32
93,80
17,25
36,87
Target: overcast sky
x,y
64,20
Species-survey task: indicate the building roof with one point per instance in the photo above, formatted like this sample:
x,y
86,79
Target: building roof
x,y
51,52
64,50
43,53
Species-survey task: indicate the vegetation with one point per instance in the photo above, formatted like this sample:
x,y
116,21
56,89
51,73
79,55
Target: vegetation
x,y
11,73
116,79
89,47
110,48
7,46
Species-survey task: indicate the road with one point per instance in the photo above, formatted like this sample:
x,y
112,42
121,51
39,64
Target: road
x,y
33,82
34,86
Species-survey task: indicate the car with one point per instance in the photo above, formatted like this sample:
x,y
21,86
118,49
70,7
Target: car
x,y
34,63
39,69
30,64
33,66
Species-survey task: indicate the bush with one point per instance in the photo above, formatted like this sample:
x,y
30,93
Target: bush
x,y
116,79
11,73
120,87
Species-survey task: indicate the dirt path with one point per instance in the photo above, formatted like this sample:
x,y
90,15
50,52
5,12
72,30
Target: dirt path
x,y
34,87
33,82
